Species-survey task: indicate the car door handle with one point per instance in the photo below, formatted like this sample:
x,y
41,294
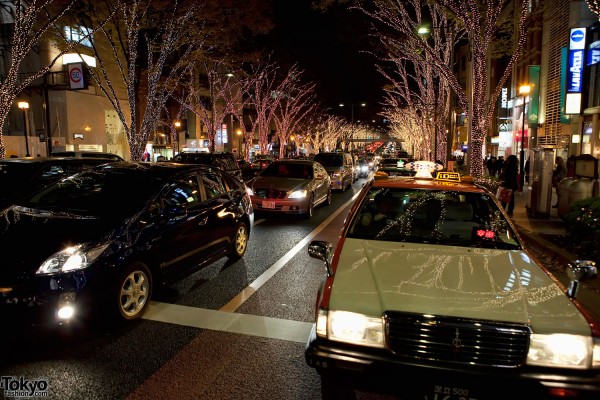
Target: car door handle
x,y
203,221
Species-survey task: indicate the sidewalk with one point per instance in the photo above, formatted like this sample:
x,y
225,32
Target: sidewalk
x,y
530,229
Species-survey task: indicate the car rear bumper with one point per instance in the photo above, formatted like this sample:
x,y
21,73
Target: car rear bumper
x,y
283,206
455,381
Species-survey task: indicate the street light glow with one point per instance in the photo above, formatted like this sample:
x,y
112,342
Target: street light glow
x,y
23,105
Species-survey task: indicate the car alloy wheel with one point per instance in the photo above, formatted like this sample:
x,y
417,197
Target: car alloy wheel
x,y
310,207
240,242
135,289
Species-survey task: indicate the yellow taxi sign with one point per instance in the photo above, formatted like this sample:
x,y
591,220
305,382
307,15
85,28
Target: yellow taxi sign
x,y
448,176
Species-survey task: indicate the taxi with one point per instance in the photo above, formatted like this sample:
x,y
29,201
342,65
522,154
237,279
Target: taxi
x,y
430,290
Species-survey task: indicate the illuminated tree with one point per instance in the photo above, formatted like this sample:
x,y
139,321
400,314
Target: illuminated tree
x,y
594,5
151,43
420,38
263,98
31,23
296,101
479,20
219,96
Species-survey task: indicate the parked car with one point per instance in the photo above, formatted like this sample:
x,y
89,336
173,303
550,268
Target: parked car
x,y
291,186
22,176
340,168
104,239
430,280
223,160
86,154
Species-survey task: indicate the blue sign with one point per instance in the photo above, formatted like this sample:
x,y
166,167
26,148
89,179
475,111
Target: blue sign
x,y
593,56
575,71
577,41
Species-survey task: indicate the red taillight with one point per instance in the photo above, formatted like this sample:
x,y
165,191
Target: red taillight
x,y
563,393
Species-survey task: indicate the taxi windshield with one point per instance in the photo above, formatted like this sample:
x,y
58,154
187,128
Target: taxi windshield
x,y
445,217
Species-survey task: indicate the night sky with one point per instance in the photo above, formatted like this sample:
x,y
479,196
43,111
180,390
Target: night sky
x,y
328,47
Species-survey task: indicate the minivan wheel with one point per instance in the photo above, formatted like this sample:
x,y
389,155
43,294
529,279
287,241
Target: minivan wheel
x,y
134,290
240,242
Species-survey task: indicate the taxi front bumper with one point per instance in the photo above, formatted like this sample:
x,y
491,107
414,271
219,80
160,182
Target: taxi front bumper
x,y
448,381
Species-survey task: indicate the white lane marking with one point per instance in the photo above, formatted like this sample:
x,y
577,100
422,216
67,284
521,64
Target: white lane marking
x,y
258,221
245,294
254,325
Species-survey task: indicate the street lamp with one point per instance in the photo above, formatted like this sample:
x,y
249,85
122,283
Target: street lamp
x,y
524,91
239,135
23,105
352,115
177,125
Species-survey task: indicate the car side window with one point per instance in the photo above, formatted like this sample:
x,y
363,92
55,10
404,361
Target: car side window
x,y
184,193
213,185
231,184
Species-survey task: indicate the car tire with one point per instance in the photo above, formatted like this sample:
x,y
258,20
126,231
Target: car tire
x,y
240,242
133,291
310,209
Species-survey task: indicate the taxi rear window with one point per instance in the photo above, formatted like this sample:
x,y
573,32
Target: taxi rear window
x,y
443,217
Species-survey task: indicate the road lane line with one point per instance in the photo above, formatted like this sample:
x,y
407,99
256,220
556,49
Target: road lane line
x,y
245,294
253,325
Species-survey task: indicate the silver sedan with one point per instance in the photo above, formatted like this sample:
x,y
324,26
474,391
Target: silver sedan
x,y
291,186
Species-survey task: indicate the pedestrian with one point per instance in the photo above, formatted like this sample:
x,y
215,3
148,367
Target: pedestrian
x,y
508,178
527,170
499,165
559,172
490,165
571,166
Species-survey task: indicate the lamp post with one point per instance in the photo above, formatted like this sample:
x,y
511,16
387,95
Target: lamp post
x,y
352,116
23,105
239,135
177,125
524,91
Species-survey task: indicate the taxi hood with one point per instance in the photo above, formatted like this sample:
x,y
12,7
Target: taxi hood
x,y
500,285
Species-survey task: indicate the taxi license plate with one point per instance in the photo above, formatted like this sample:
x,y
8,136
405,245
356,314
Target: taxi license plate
x,y
268,204
442,392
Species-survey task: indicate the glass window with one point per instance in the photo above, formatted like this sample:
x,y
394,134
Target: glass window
x,y
433,217
184,193
212,185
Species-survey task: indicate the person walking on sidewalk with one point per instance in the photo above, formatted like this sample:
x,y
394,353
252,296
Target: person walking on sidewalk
x,y
508,177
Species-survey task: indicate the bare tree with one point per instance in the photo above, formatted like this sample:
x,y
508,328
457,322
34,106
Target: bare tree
x,y
151,44
296,101
32,22
594,5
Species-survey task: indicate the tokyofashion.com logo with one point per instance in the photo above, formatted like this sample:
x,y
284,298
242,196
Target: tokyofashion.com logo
x,y
20,387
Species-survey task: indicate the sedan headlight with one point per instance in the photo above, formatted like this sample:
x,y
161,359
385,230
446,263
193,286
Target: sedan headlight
x,y
563,351
351,328
71,259
297,194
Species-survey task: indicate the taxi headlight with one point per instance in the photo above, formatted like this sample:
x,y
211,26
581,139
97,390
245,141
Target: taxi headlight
x,y
352,328
563,351
297,194
71,259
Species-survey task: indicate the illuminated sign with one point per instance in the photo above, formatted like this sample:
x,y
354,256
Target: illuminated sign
x,y
573,103
448,176
504,98
575,71
577,39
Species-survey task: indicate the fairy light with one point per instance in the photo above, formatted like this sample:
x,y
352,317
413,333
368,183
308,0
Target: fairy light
x,y
594,5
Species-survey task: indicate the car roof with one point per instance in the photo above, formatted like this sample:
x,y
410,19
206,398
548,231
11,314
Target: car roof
x,y
48,160
293,161
412,182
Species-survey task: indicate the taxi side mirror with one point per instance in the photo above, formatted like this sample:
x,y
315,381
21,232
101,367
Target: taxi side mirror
x,y
580,271
322,250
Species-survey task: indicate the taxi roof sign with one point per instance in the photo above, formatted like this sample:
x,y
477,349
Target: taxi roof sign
x,y
448,176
